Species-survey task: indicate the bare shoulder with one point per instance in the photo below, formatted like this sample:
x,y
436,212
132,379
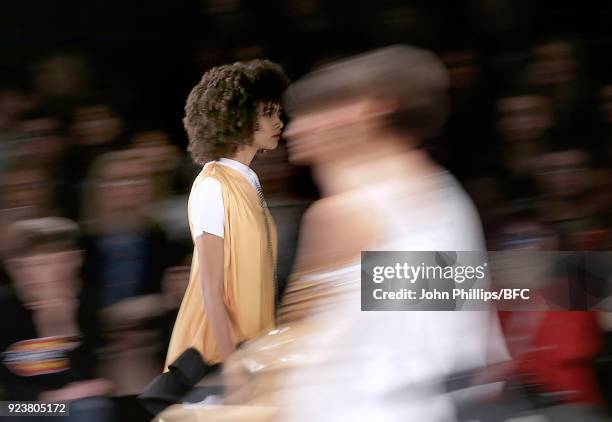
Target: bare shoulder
x,y
334,230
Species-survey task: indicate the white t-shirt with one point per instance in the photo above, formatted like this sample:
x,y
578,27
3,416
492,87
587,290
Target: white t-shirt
x,y
206,201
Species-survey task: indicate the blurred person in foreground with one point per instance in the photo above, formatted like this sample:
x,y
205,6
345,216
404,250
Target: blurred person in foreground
x,y
45,354
361,124
230,115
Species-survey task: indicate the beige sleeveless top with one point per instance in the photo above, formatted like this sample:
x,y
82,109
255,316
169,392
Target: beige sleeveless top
x,y
249,255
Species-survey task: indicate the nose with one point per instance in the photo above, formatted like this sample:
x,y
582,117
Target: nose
x,y
278,123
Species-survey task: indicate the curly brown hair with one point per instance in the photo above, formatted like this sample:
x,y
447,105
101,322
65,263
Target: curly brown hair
x,y
221,110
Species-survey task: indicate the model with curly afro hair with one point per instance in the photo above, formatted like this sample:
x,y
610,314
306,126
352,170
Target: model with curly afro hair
x,y
222,110
232,113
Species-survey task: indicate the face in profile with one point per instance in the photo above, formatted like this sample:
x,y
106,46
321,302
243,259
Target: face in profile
x,y
332,132
268,127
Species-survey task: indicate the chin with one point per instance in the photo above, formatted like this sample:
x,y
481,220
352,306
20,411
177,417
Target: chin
x,y
271,145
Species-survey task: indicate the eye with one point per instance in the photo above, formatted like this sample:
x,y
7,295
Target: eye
x,y
271,110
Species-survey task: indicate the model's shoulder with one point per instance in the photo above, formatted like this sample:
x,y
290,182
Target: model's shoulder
x,y
205,189
334,230
205,183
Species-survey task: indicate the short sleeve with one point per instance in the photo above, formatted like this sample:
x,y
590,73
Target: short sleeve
x,y
206,208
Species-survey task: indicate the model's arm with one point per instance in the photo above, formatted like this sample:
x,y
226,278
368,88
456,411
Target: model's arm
x,y
210,259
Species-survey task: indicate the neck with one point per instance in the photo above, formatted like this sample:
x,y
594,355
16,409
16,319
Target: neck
x,y
388,161
245,154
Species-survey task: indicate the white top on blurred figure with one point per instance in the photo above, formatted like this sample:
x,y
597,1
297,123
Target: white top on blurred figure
x,y
207,199
360,124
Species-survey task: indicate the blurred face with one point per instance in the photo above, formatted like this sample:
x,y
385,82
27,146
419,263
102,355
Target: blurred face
x,y
42,141
555,63
96,125
45,278
124,186
319,135
268,127
523,118
28,189
155,148
564,173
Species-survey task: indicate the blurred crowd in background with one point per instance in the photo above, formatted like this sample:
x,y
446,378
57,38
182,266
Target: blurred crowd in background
x,y
95,176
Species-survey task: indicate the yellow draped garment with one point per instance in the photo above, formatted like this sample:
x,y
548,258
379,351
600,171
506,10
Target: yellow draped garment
x,y
248,264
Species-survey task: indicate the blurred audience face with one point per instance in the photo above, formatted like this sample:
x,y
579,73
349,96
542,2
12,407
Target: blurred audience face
x,y
564,173
523,118
124,186
155,148
26,193
45,277
41,141
554,63
96,125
